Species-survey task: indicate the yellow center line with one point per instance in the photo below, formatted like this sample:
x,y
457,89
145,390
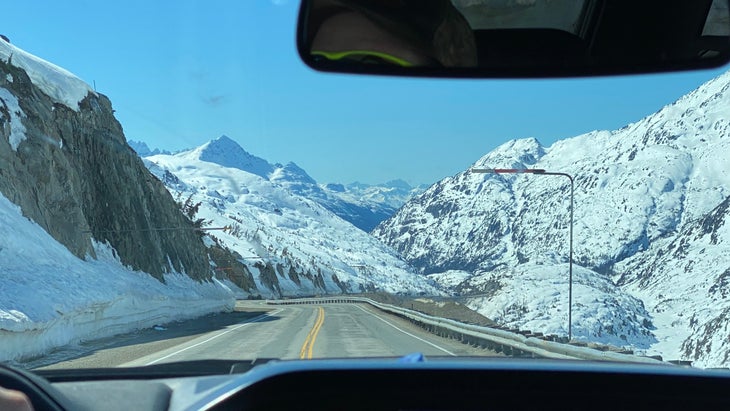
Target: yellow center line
x,y
316,332
306,351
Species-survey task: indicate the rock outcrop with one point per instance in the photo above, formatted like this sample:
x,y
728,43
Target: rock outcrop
x,y
71,171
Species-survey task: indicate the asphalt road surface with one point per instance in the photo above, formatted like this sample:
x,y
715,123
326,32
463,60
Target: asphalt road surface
x,y
257,330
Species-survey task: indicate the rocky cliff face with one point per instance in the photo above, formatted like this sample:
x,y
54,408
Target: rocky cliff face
x,y
67,165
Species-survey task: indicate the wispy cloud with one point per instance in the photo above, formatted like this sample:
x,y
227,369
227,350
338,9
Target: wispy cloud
x,y
216,100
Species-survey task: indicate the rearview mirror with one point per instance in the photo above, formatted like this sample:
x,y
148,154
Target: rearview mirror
x,y
513,38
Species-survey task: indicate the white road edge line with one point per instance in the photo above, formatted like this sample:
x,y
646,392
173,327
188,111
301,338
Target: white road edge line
x,y
251,321
406,332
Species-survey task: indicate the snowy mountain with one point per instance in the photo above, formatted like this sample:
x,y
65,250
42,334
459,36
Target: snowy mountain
x,y
292,176
641,194
365,206
292,245
227,153
363,214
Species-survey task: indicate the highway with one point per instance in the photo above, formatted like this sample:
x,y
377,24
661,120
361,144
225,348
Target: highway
x,y
262,331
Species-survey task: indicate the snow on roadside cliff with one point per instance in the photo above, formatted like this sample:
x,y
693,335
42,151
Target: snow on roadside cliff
x,y
50,298
61,85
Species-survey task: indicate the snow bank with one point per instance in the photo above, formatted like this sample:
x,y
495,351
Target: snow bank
x,y
535,297
62,86
50,298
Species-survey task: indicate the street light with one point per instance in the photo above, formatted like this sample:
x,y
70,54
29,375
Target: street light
x,y
541,172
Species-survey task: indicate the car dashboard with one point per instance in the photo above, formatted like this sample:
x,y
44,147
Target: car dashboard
x,y
385,384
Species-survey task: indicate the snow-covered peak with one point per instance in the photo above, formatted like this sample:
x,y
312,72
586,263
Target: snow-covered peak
x,y
711,90
520,153
59,84
399,184
291,173
227,153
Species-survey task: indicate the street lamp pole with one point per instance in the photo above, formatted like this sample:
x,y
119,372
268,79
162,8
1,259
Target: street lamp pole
x,y
539,171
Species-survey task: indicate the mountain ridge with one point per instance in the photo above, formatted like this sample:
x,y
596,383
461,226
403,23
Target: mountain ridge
x,y
292,244
638,190
363,205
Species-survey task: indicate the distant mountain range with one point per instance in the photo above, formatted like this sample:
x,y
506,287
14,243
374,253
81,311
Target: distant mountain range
x,y
363,205
141,148
650,206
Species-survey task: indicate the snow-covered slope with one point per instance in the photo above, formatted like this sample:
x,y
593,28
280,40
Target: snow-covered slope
x,y
50,298
292,245
364,215
637,191
535,297
685,281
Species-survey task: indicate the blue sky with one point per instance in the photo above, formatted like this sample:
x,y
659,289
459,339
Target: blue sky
x,y
180,73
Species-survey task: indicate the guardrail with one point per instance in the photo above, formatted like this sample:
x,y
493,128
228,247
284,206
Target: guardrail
x,y
503,341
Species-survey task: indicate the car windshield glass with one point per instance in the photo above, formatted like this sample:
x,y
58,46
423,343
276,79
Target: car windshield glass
x,y
176,184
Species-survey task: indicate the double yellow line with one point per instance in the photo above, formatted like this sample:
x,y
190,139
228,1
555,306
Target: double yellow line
x,y
306,351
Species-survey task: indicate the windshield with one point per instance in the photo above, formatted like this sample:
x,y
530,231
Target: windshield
x,y
175,184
